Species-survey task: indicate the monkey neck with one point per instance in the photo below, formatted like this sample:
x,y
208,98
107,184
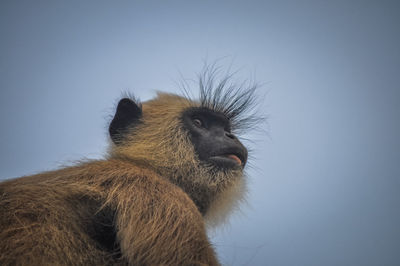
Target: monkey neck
x,y
203,186
202,195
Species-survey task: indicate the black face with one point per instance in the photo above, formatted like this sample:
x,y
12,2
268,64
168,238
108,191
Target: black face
x,y
213,141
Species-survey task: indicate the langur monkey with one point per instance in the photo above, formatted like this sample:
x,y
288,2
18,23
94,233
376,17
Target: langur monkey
x,y
174,163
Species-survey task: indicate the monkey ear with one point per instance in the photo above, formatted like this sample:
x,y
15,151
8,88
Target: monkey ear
x,y
127,115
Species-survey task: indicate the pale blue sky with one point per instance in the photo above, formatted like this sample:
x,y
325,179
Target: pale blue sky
x,y
324,186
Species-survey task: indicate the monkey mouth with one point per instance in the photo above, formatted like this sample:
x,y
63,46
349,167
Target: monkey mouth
x,y
235,158
229,160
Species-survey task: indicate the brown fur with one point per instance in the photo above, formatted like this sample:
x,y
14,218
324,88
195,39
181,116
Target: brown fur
x,y
151,192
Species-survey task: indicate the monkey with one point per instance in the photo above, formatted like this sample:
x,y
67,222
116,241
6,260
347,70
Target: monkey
x,y
174,163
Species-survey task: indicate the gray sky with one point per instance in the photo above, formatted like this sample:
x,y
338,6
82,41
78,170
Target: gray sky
x,y
324,185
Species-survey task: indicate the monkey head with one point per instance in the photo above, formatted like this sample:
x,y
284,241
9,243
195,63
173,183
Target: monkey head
x,y
190,142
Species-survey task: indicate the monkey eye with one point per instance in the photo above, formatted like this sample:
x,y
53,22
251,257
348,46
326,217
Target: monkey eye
x,y
197,122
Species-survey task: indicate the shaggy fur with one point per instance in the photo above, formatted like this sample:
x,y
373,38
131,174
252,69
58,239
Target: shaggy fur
x,y
143,205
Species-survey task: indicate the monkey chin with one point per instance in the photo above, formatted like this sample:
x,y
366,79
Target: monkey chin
x,y
230,181
228,201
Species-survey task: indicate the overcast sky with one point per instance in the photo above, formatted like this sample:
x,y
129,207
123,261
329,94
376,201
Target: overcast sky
x,y
324,180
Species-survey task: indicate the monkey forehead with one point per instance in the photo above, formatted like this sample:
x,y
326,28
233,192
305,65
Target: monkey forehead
x,y
172,105
207,112
168,102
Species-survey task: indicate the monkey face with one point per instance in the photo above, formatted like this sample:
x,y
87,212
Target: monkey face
x,y
211,135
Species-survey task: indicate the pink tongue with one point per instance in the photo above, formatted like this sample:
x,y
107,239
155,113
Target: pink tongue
x,y
234,157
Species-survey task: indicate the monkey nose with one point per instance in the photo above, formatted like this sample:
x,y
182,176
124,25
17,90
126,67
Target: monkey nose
x,y
230,135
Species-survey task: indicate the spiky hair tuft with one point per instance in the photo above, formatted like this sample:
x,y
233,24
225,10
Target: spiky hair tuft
x,y
220,93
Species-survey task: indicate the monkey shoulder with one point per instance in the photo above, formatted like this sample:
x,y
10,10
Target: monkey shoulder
x,y
143,187
152,213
